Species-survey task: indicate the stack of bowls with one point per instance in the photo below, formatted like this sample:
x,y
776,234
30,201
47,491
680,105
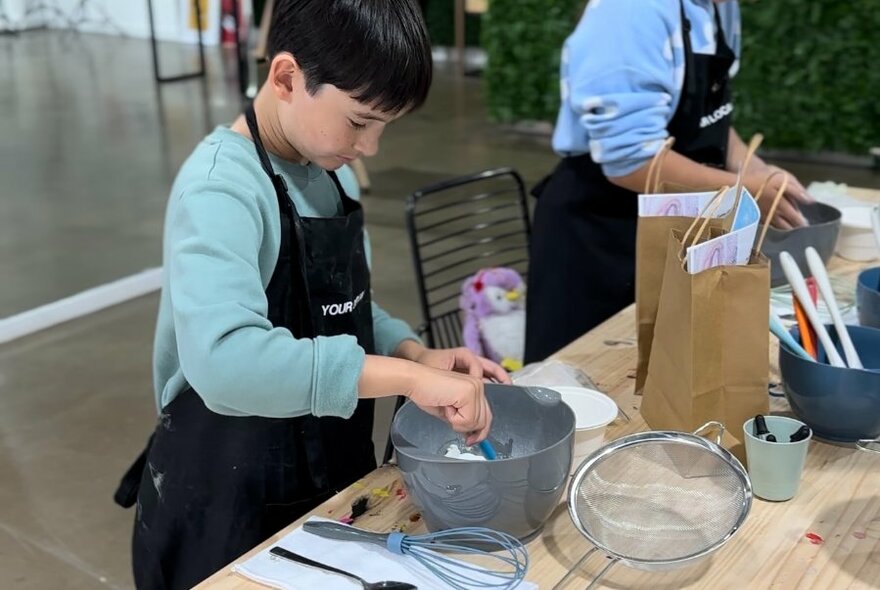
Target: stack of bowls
x,y
838,403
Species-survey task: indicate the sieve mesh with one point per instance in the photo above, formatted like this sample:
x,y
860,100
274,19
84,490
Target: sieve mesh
x,y
659,500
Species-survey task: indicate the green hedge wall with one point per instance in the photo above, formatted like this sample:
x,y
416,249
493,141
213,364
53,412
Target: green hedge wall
x,y
523,39
440,17
810,76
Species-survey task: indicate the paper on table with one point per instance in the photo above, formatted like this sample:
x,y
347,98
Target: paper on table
x,y
370,562
834,194
551,372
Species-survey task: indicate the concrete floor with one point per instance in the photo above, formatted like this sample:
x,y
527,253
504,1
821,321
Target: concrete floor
x,y
87,154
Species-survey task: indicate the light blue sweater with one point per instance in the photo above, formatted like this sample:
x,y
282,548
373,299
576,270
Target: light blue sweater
x,y
622,72
222,235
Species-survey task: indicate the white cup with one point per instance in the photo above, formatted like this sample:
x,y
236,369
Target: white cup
x,y
593,411
859,234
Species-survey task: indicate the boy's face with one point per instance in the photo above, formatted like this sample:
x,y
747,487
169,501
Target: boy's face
x,y
329,127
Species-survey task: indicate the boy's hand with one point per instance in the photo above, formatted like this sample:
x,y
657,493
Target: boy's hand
x,y
460,360
457,398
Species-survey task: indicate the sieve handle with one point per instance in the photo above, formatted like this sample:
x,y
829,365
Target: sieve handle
x,y
602,573
709,426
577,566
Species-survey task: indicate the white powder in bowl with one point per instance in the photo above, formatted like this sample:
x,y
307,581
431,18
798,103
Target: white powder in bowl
x,y
455,452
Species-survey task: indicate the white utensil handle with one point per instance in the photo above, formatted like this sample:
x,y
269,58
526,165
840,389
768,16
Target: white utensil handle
x,y
817,267
799,286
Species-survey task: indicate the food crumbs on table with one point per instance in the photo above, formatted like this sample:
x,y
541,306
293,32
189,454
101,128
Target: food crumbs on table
x,y
859,534
814,538
400,493
381,492
415,517
359,506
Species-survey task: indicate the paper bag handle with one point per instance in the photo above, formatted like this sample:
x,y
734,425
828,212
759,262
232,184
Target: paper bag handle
x,y
706,214
773,207
653,178
754,144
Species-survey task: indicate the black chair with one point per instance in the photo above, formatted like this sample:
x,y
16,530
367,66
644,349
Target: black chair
x,y
456,228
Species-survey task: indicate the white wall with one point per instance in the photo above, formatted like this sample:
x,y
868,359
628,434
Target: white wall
x,y
127,17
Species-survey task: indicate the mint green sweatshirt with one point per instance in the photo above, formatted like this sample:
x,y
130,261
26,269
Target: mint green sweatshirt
x,y
222,234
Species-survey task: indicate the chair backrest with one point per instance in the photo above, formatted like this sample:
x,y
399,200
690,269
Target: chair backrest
x,y
458,227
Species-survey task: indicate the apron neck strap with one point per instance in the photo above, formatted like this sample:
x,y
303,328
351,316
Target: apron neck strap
x,y
277,180
689,78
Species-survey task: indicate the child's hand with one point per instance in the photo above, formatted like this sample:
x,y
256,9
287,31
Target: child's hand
x,y
460,360
457,398
787,215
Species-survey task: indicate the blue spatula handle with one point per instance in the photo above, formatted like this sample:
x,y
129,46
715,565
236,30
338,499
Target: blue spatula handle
x,y
780,332
488,450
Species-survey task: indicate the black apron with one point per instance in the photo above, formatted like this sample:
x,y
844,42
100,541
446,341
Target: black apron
x,y
214,486
582,258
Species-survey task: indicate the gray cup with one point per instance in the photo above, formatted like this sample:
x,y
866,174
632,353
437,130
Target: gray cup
x,y
775,467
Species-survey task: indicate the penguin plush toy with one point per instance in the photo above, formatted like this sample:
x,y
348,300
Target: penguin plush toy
x,y
494,309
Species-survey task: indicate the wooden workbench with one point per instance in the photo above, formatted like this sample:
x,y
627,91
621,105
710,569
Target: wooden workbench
x,y
838,504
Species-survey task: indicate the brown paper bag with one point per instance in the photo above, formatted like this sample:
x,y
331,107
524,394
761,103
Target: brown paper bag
x,y
710,353
651,242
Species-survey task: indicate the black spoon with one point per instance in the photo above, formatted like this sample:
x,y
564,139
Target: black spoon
x,y
285,554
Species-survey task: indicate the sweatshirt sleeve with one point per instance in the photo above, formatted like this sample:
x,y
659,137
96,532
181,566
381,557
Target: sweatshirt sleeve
x,y
229,351
624,98
389,331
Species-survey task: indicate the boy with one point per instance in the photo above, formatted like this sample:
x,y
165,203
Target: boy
x,y
268,348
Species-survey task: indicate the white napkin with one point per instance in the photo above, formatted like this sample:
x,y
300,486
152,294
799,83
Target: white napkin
x,y
370,562
834,194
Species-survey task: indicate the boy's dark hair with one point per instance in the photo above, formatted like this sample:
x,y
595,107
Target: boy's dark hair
x,y
377,50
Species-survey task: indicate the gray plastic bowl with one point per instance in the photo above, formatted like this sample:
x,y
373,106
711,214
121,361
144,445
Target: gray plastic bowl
x,y
821,234
515,495
839,404
868,297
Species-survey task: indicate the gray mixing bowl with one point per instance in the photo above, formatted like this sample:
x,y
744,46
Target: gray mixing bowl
x,y
821,234
516,494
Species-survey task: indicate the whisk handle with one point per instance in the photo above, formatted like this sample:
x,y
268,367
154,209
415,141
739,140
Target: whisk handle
x,y
341,532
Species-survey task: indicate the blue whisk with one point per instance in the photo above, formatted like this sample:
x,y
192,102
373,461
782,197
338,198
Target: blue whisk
x,y
508,569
